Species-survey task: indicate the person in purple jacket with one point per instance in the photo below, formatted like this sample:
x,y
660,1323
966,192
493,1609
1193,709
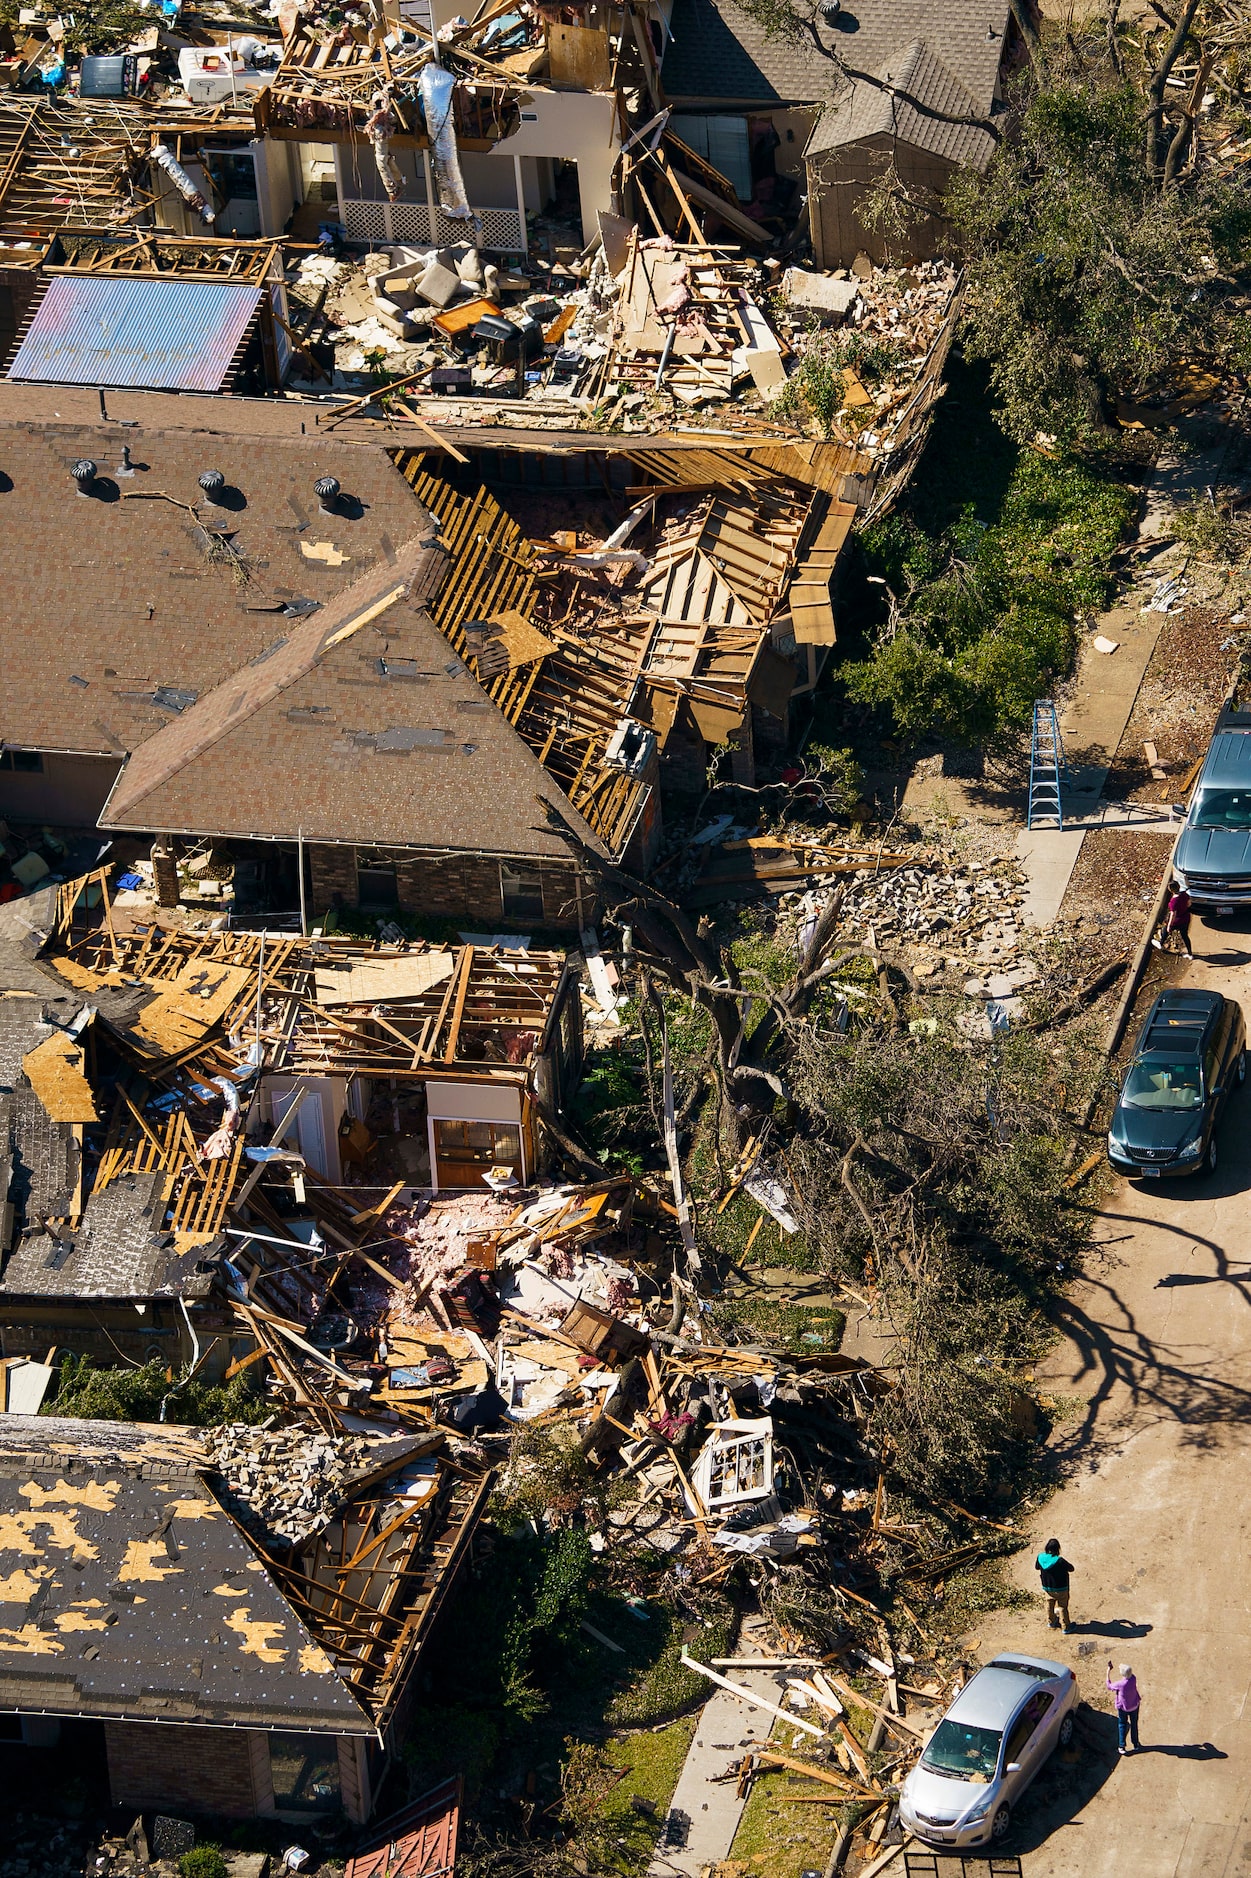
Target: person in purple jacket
x,y
1128,1700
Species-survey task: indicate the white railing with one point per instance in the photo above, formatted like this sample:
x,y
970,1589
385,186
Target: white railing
x,y
403,223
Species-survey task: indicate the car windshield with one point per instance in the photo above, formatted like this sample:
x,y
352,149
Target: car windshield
x,y
1157,1082
962,1752
1223,808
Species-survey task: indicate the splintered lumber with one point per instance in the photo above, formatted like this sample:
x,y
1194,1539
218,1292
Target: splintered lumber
x,y
880,1864
823,1698
1075,1179
766,1751
749,1695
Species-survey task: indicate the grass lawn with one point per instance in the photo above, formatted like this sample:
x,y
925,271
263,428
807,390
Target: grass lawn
x,y
777,1838
654,1760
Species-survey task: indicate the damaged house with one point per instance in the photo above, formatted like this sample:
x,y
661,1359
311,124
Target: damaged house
x,y
903,91
223,1665
376,689
269,673
223,1084
922,95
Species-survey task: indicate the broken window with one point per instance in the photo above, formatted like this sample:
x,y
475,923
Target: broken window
x,y
521,889
465,1150
305,1772
375,879
736,1464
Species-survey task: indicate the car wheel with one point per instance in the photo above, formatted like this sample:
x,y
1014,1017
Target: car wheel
x,y
1242,1066
1066,1731
1211,1162
1000,1824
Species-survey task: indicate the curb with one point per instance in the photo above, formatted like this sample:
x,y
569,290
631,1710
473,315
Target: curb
x,y
1116,1029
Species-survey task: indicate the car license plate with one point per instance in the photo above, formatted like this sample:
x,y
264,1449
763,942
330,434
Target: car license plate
x,y
1152,1173
1224,912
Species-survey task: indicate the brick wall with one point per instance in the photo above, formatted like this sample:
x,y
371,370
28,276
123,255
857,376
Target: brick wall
x,y
188,1769
453,886
331,871
463,887
684,763
165,871
743,754
771,740
560,896
93,1327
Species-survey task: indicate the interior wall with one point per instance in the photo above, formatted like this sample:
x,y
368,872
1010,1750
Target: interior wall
x,y
581,127
69,792
326,1101
277,182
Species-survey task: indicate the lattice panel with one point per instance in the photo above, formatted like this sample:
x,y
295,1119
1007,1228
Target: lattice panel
x,y
365,221
409,221
500,230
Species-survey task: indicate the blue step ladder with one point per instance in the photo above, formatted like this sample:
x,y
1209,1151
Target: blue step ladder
x,y
1047,769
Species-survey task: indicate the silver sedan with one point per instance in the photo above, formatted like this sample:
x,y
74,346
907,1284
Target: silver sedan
x,y
986,1750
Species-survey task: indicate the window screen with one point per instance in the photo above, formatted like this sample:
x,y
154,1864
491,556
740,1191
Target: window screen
x,y
475,1146
375,879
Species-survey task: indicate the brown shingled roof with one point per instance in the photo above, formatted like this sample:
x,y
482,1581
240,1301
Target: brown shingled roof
x,y
913,103
267,730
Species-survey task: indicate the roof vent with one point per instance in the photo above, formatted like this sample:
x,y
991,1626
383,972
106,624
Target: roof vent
x,y
830,10
326,489
212,482
84,474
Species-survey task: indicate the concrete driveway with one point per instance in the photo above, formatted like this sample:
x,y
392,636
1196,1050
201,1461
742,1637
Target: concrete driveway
x,y
1154,1516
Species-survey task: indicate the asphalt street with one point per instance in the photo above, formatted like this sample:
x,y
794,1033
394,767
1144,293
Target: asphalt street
x,y
1155,1441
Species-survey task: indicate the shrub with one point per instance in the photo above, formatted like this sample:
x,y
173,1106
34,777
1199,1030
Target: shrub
x,y
203,1861
86,1393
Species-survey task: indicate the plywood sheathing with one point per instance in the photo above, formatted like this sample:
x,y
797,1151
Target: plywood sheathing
x,y
56,1074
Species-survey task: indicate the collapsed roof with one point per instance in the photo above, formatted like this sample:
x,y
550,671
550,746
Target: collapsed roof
x,y
128,1590
416,669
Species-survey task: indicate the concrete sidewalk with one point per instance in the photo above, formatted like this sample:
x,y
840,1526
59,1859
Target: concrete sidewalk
x,y
705,1810
1099,700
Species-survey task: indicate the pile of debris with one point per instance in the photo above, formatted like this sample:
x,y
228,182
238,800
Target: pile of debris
x,y
284,1483
971,908
644,327
935,905
894,331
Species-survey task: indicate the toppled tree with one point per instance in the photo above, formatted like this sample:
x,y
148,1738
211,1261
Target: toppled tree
x,y
937,1170
930,1164
749,1016
1108,241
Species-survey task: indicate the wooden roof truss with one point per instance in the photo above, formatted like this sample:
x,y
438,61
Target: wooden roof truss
x,y
371,1583
567,704
145,252
63,164
325,86
491,1016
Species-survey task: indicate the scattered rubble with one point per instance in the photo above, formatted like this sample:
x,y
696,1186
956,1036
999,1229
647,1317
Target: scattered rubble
x,y
285,1482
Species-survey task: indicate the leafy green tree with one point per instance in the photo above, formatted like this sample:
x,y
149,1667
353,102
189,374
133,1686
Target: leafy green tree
x,y
983,613
1099,255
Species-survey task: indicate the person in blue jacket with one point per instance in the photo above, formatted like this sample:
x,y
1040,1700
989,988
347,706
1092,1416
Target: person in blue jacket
x,y
1055,1571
